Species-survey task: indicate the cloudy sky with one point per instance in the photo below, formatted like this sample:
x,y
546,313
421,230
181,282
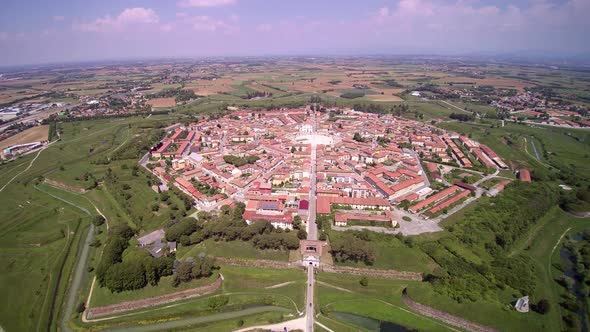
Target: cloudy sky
x,y
43,31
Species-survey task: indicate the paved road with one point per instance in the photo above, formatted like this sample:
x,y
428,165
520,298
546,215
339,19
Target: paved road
x,y
312,229
309,305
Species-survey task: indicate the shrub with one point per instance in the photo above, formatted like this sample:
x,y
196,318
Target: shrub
x,y
81,307
543,306
218,301
364,281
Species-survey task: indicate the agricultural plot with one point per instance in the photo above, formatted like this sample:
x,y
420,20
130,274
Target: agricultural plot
x,y
162,102
35,134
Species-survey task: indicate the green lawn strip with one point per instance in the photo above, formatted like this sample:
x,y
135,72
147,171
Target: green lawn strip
x,y
526,241
35,235
187,322
380,300
245,287
103,296
232,249
545,250
336,325
390,253
120,212
500,316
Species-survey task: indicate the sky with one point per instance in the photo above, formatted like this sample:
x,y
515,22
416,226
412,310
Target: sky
x,y
56,31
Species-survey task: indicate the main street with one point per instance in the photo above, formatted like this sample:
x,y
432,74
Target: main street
x,y
309,305
312,230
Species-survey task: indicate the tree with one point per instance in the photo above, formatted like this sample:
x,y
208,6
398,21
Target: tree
x,y
364,281
81,307
218,301
122,231
302,234
357,137
184,271
297,222
98,220
543,306
125,276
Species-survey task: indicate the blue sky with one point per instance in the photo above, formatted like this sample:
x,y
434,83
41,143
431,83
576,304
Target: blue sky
x,y
35,31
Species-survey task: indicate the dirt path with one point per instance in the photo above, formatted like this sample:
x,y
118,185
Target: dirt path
x,y
335,287
323,326
280,285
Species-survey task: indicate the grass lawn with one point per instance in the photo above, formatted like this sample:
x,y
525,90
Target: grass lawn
x,y
246,287
380,300
567,146
37,234
539,244
40,234
391,253
103,296
231,249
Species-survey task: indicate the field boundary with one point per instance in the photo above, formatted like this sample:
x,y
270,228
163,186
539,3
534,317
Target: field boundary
x,y
108,310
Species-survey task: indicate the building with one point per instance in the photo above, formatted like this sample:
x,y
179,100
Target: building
x,y
524,175
522,304
311,252
153,243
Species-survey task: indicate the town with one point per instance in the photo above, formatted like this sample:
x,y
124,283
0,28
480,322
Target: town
x,y
371,170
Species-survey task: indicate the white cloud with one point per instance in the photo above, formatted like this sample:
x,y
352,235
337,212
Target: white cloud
x,y
205,3
475,22
127,17
208,24
264,27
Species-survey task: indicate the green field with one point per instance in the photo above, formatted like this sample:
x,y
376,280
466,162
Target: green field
x,y
246,288
232,249
539,244
380,300
41,233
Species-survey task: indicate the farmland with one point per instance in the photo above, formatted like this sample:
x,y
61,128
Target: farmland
x,y
35,134
93,168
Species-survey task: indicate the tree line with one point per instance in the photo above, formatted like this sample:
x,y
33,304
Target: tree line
x,y
230,226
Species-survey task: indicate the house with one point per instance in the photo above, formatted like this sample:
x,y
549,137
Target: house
x,y
524,175
522,304
152,242
311,251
